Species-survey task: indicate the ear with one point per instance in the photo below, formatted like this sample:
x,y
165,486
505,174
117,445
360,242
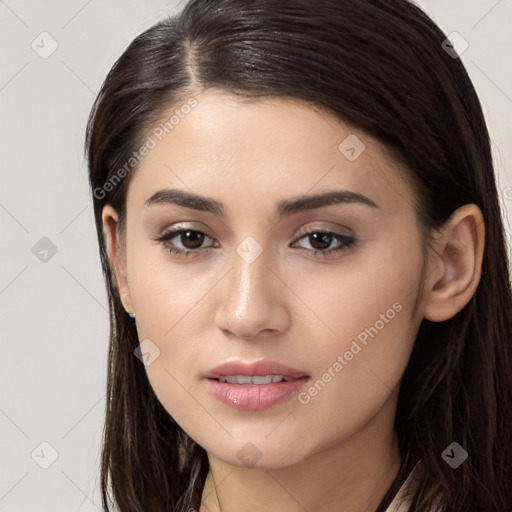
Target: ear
x,y
117,261
456,264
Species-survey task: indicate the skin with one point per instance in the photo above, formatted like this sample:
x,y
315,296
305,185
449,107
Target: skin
x,y
339,451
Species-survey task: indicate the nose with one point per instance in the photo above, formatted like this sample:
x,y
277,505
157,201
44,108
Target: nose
x,y
252,300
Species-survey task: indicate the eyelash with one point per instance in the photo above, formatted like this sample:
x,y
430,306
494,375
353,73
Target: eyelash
x,y
346,242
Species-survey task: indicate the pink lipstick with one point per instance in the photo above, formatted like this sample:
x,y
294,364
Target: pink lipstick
x,y
254,386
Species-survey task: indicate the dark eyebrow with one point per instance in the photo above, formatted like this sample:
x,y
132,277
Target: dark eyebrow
x,y
284,208
186,199
319,200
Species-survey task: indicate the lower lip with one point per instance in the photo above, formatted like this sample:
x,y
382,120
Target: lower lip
x,y
254,397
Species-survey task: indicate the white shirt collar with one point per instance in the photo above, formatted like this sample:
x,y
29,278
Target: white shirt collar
x,y
400,503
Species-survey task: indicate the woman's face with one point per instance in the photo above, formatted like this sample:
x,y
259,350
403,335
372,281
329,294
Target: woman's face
x,y
275,271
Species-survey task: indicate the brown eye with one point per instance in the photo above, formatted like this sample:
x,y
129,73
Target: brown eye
x,y
325,243
184,242
192,239
320,241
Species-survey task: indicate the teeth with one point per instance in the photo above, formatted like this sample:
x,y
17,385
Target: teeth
x,y
247,379
267,379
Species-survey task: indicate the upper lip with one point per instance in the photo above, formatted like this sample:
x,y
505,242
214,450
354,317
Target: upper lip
x,y
255,369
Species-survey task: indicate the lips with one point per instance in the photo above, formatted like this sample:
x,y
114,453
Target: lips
x,y
256,369
254,386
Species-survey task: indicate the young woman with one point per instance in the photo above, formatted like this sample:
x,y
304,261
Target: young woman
x,y
309,295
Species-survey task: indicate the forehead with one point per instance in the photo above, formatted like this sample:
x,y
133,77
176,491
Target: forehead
x,y
253,151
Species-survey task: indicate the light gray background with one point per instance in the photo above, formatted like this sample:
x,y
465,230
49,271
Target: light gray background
x,y
54,322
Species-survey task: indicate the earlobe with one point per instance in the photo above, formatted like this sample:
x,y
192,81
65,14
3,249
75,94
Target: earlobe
x,y
110,222
456,264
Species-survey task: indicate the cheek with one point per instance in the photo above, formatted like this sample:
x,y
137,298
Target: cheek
x,y
352,296
368,311
170,301
174,309
172,313
164,293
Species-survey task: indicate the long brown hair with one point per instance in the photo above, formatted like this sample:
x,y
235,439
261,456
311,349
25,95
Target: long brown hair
x,y
379,65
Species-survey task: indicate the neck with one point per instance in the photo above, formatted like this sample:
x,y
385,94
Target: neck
x,y
351,476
